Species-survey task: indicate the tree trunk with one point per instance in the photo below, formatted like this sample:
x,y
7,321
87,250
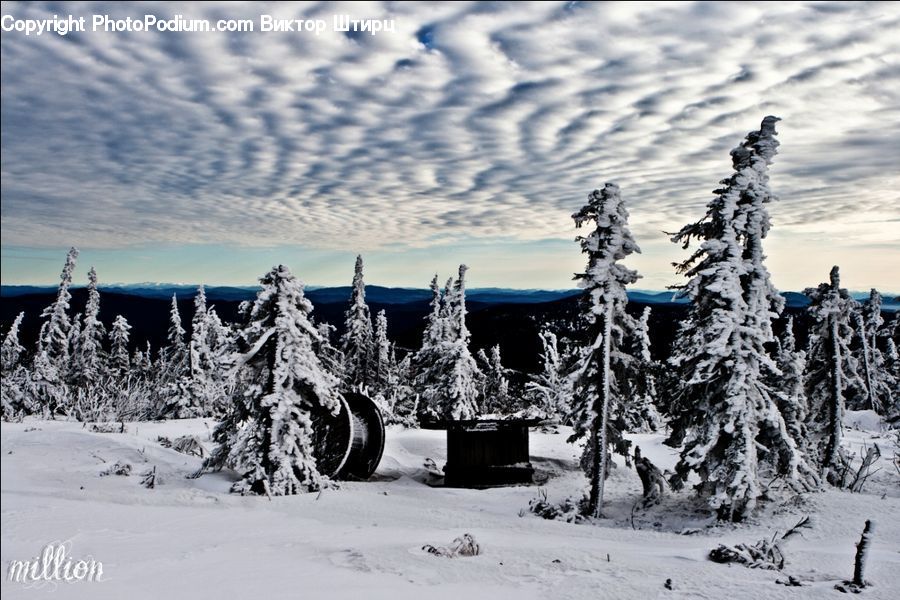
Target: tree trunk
x,y
867,361
861,548
832,458
602,438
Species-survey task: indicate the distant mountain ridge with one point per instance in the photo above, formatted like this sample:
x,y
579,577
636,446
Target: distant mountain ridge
x,y
389,295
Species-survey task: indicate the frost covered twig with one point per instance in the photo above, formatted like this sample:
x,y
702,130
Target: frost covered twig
x,y
865,469
464,545
150,480
764,554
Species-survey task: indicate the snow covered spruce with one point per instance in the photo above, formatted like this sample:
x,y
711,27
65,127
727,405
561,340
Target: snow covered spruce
x,y
597,401
725,411
267,436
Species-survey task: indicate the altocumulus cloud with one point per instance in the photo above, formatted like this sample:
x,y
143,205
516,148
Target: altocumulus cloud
x,y
472,120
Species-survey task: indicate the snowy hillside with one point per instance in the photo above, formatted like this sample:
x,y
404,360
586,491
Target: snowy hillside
x,y
190,538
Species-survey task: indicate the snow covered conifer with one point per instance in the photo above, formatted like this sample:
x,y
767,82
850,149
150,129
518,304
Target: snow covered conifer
x,y
11,350
332,358
425,361
892,369
74,341
830,373
597,381
874,372
54,335
45,391
356,343
403,400
453,375
173,387
550,391
268,436
788,385
198,346
119,336
640,412
381,355
12,372
204,385
88,362
724,406
495,387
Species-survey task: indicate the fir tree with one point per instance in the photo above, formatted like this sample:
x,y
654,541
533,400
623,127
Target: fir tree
x,y
876,377
403,400
12,372
54,335
788,385
598,376
221,351
452,376
11,350
640,413
381,355
268,436
142,364
830,374
89,360
426,375
74,337
495,394
119,337
356,343
45,391
203,385
174,399
550,391
332,358
724,406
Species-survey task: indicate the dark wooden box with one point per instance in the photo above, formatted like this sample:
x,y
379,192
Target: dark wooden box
x,y
483,453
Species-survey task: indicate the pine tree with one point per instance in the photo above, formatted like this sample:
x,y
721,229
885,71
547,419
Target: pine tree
x,y
54,335
598,376
119,337
12,372
268,436
495,385
89,360
356,343
550,391
831,372
724,406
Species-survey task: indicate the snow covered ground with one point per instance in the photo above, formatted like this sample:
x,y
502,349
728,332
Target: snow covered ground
x,y
190,538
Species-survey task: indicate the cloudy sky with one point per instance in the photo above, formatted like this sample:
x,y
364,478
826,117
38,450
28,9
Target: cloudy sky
x,y
469,134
